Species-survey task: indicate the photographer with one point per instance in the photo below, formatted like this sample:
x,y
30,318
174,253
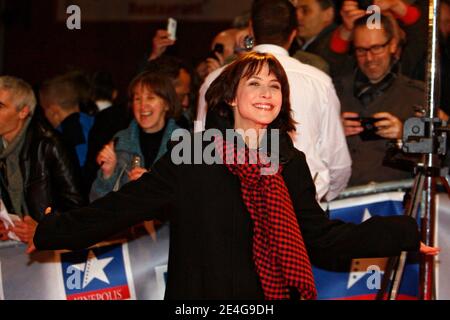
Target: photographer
x,y
375,99
223,51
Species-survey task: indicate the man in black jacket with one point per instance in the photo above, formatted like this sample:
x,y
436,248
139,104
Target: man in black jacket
x,y
36,171
316,20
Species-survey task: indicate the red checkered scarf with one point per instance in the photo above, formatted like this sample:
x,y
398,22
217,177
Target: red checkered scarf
x,y
279,252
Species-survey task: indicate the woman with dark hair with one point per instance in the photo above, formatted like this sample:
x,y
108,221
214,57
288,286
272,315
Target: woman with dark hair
x,y
133,151
236,233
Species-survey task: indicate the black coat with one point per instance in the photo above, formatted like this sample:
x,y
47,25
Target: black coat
x,y
51,180
211,231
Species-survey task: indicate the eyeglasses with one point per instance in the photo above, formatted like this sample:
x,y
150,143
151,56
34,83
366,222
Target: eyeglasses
x,y
376,49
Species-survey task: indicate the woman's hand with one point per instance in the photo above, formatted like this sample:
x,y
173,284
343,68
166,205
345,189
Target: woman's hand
x,y
136,173
428,251
107,160
160,43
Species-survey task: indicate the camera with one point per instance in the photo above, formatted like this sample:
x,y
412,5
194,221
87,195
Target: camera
x,y
370,130
249,42
217,48
364,4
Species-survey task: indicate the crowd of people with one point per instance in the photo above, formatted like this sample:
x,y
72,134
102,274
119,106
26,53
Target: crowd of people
x,y
317,72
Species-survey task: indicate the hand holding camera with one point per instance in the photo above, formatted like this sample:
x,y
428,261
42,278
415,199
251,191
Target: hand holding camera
x,y
366,127
379,125
215,58
217,51
352,124
389,126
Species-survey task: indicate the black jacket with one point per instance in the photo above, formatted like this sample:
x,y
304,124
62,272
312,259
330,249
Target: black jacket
x,y
211,230
51,180
340,64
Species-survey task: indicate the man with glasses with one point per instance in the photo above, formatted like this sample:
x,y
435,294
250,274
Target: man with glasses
x,y
376,99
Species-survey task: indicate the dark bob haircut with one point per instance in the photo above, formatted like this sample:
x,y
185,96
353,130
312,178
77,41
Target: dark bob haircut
x,y
223,90
162,86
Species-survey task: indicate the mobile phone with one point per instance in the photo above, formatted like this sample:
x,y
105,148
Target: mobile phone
x,y
135,162
172,28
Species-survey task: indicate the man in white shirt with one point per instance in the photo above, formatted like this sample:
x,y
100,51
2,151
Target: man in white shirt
x,y
316,108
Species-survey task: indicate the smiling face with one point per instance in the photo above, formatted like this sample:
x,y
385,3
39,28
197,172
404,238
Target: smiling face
x,y
258,100
374,65
149,109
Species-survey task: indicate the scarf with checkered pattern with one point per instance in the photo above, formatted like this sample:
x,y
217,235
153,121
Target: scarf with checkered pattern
x,y
279,253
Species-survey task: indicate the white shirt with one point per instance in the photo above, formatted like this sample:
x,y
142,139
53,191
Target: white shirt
x,y
316,109
103,104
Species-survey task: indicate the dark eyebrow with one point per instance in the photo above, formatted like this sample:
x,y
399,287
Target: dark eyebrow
x,y
255,77
258,78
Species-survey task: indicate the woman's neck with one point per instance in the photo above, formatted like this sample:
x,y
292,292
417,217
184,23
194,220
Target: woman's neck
x,y
252,136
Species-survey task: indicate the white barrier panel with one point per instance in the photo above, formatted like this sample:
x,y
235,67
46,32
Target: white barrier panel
x,y
111,272
138,269
364,276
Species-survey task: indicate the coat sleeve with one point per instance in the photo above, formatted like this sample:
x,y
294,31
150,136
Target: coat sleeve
x,y
332,243
63,174
144,199
101,186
